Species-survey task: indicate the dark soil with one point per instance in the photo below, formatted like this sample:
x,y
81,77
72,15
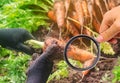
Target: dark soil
x,y
102,73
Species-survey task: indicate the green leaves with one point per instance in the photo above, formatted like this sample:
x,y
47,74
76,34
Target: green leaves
x,y
61,71
106,48
13,67
116,72
28,14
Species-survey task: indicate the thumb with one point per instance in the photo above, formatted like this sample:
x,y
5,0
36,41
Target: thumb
x,y
110,32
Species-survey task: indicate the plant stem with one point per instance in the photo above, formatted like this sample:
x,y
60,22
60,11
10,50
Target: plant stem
x,y
35,44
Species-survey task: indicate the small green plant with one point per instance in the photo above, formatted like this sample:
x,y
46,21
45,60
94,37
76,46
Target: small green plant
x,y
13,67
61,72
106,48
28,14
116,72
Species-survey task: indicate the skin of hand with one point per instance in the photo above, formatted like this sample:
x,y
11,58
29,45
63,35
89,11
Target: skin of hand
x,y
14,38
110,26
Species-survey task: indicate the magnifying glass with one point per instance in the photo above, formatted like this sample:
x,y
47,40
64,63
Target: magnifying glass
x,y
81,50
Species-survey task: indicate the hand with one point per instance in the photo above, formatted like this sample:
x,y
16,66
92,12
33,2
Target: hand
x,y
14,38
110,26
41,68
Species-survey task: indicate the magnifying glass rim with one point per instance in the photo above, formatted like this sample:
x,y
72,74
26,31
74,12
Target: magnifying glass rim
x,y
95,61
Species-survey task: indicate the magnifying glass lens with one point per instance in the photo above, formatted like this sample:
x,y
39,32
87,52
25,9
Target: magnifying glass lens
x,y
82,53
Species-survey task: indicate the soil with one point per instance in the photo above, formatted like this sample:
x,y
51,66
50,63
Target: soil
x,y
102,73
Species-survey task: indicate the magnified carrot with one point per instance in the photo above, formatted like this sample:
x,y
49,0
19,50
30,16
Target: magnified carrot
x,y
79,54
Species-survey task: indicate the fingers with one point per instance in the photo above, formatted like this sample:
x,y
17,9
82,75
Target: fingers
x,y
110,32
106,22
51,50
113,41
23,48
27,36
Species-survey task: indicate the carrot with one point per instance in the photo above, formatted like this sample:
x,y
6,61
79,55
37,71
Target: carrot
x,y
111,4
79,54
51,15
87,32
106,4
59,12
87,64
95,24
73,19
67,5
103,6
97,12
79,11
72,29
86,12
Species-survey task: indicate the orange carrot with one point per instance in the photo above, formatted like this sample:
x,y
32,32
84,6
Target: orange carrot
x,y
74,16
87,32
59,12
51,15
86,12
111,3
72,29
96,24
79,11
67,4
79,54
87,64
97,12
103,6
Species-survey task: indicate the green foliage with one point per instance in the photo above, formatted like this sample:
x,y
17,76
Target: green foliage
x,y
61,71
116,72
106,48
28,14
13,66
